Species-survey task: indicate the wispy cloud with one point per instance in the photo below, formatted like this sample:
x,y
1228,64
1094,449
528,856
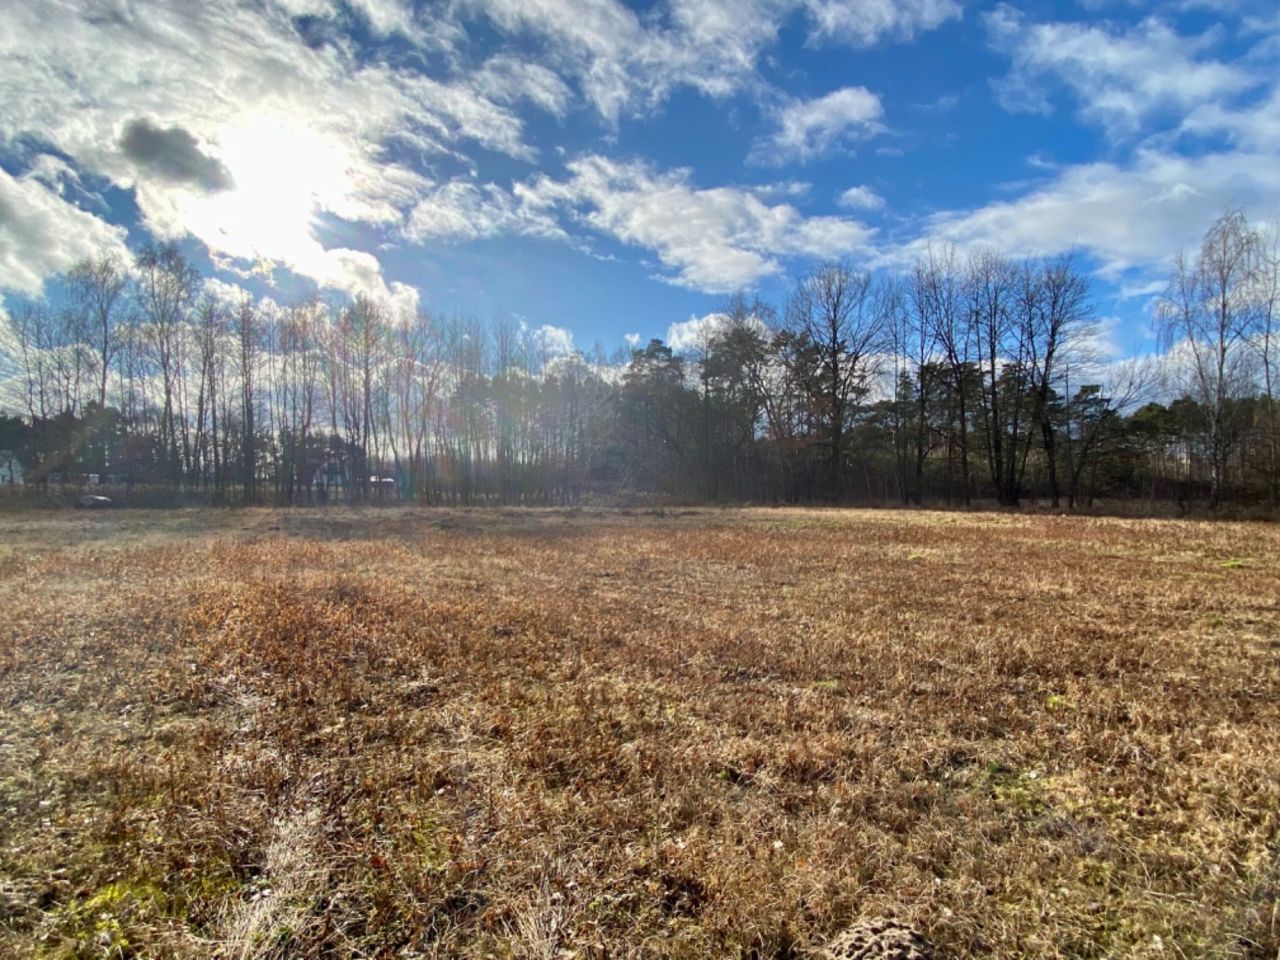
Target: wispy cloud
x,y
1126,215
1119,76
809,128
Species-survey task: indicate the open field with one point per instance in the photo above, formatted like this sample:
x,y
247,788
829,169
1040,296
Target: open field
x,y
699,734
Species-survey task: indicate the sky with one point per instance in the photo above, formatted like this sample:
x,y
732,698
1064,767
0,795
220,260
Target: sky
x,y
610,171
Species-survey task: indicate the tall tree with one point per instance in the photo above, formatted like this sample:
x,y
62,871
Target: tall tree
x,y
993,297
834,317
1060,323
247,340
98,287
948,320
1208,315
165,290
1266,340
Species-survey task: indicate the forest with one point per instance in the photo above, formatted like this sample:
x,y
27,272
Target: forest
x,y
968,377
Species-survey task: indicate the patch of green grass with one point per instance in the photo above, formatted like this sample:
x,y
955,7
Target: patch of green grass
x,y
1020,792
103,923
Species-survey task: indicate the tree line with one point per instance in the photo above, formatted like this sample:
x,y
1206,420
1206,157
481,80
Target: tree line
x,y
966,377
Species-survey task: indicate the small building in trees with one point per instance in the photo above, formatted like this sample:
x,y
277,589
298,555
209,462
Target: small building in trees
x,y
384,489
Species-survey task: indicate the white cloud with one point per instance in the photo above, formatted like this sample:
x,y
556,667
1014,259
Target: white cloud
x,y
1120,77
784,189
632,339
809,128
462,210
554,341
1127,216
42,234
864,22
1102,345
227,294
694,333
1256,127
507,79
386,17
625,62
359,272
715,240
861,198
231,126
592,39
941,104
58,175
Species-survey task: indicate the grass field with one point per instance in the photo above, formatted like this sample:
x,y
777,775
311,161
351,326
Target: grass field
x,y
693,734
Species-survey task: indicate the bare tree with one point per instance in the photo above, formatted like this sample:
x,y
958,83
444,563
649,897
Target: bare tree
x,y
210,332
166,287
247,337
1059,321
31,327
992,295
1265,342
98,288
948,322
833,315
1210,312
931,294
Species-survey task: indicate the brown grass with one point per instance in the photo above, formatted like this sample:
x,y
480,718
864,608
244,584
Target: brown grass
x,y
699,734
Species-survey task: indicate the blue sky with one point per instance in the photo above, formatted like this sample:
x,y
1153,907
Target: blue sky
x,y
611,170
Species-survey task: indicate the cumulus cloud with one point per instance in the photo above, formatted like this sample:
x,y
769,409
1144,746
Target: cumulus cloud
x,y
554,341
696,332
861,198
42,234
715,240
360,272
809,128
227,294
172,155
58,175
1120,77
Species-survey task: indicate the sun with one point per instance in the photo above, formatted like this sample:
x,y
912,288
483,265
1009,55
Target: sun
x,y
284,174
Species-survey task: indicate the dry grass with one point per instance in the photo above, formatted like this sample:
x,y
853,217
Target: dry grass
x,y
704,734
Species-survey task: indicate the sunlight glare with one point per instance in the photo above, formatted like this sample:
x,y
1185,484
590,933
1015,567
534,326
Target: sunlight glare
x,y
284,174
